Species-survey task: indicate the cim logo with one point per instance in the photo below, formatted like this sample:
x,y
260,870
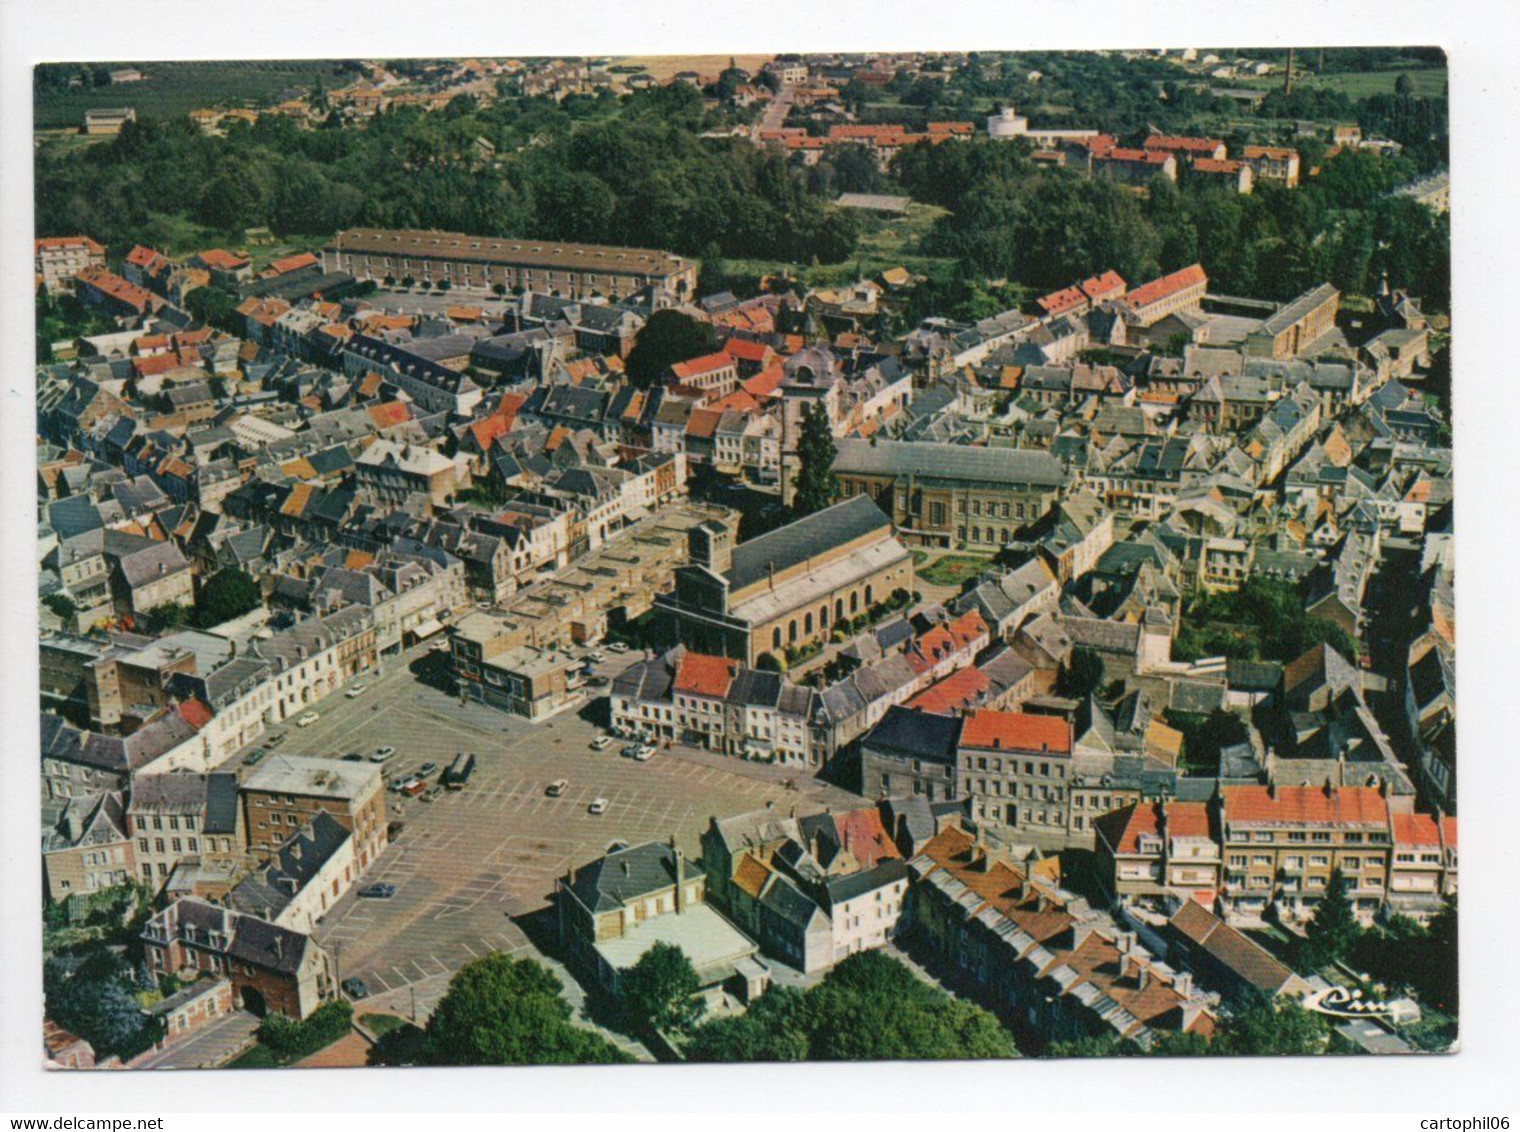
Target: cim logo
x,y
1338,1002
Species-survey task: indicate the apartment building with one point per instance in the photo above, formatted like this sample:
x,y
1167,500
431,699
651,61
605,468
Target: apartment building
x,y
285,793
482,263
179,817
60,258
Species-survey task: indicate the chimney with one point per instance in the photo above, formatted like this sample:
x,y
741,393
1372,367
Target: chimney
x,y
680,875
1182,983
1142,975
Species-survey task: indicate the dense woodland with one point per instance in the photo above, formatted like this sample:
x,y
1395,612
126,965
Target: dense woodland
x,y
633,170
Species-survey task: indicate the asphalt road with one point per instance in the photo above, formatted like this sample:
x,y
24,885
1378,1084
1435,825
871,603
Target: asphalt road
x,y
470,865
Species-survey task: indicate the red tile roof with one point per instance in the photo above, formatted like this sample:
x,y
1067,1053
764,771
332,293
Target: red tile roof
x,y
390,414
142,257
703,422
1134,156
744,350
701,675
1109,285
1304,805
707,363
1186,145
1016,731
1059,302
45,242
223,260
195,713
1422,829
108,283
955,692
1167,285
290,263
1211,165
764,383
866,836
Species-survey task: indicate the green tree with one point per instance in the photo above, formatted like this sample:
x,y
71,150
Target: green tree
x,y
775,1028
504,1011
226,594
1333,930
1082,674
61,606
911,1019
659,990
668,337
1286,1029
816,484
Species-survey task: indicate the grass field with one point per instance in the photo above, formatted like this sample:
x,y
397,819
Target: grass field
x,y
708,66
953,569
173,88
883,244
1428,83
382,1024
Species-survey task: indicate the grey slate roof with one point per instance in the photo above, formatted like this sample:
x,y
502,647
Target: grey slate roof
x,y
950,461
806,538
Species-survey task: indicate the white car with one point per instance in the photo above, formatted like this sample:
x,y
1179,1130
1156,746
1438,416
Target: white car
x,y
599,806
308,719
381,754
617,646
439,646
643,754
601,743
595,657
356,691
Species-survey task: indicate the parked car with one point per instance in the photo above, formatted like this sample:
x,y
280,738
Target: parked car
x,y
557,787
308,719
595,656
432,793
629,751
414,787
353,757
426,769
356,691
644,753
617,646
439,646
381,754
275,740
355,988
378,891
598,682
601,743
599,806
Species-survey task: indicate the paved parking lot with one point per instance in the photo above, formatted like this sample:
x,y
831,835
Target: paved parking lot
x,y
468,864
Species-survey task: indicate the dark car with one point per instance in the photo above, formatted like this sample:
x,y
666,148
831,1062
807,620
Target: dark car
x,y
380,891
353,757
254,757
355,988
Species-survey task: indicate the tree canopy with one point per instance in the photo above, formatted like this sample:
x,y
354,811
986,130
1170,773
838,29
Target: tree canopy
x,y
816,484
870,1006
226,594
667,338
504,1011
1333,930
658,992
